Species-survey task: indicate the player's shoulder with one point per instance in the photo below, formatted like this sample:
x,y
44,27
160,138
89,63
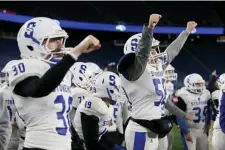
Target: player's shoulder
x,y
95,104
207,93
181,92
215,95
19,70
78,91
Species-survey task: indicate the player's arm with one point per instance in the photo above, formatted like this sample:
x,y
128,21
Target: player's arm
x,y
182,122
90,134
212,83
132,66
174,48
174,109
5,125
38,87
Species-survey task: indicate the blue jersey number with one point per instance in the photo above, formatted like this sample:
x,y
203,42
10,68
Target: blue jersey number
x,y
159,92
88,104
60,115
198,112
81,98
20,68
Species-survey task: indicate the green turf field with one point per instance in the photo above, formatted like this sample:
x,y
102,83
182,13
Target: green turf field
x,y
177,143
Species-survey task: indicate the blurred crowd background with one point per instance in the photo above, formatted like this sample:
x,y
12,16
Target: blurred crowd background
x,y
202,53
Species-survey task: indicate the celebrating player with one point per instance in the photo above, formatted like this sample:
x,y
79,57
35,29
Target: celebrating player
x,y
41,84
142,77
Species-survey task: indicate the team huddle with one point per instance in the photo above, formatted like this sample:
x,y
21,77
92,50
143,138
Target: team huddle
x,y
51,101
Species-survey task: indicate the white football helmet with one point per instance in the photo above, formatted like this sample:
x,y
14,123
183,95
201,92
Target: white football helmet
x,y
93,71
221,80
194,83
107,85
35,36
155,57
79,79
170,74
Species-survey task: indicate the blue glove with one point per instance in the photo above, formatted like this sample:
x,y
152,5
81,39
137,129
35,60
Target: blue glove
x,y
118,147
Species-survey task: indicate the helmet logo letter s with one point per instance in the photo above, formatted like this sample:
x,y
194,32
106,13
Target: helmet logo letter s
x,y
134,44
30,30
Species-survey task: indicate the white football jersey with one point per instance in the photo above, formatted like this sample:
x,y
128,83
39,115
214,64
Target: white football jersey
x,y
170,90
46,118
147,95
7,95
117,118
195,104
78,95
96,107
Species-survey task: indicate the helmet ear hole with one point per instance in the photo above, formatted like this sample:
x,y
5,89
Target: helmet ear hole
x,y
30,47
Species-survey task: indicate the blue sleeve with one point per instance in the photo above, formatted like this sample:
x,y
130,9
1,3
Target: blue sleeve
x,y
222,113
183,125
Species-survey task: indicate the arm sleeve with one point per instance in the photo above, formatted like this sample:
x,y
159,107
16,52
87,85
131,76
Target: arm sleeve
x,y
208,113
132,66
174,48
90,134
182,122
174,109
39,87
212,84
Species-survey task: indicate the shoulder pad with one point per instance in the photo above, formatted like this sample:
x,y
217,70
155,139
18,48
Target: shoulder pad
x,y
215,95
21,69
78,95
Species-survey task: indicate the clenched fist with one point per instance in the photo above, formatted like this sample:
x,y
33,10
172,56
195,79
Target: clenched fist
x,y
89,44
190,26
153,20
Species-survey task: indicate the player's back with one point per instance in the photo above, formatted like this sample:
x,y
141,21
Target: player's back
x,y
46,118
93,106
195,104
146,103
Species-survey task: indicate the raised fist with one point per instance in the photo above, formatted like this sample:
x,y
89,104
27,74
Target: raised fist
x,y
89,44
190,26
153,20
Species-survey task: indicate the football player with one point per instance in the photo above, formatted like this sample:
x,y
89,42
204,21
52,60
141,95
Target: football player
x,y
5,123
93,117
142,77
170,79
194,98
219,127
40,82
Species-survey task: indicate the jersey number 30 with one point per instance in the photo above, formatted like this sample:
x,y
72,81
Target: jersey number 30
x,y
60,115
